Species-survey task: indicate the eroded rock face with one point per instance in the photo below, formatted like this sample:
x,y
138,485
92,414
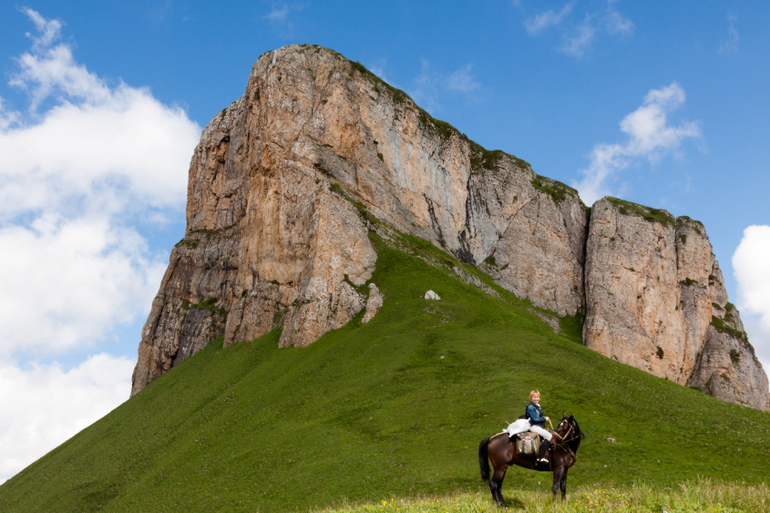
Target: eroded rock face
x,y
653,292
274,233
287,181
538,227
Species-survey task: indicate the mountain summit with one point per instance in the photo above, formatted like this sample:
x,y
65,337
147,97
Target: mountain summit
x,y
288,182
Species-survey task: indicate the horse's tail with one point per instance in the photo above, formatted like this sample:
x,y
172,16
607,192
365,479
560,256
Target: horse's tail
x,y
484,459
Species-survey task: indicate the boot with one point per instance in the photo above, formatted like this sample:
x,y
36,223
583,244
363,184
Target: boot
x,y
544,445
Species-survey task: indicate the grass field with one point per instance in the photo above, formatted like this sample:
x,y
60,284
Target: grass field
x,y
701,496
391,409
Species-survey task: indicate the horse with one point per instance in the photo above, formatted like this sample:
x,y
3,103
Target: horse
x,y
501,450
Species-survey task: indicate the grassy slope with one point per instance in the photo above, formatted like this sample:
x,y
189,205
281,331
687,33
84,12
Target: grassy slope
x,y
391,408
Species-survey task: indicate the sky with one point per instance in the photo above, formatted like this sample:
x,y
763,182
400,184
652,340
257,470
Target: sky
x,y
662,103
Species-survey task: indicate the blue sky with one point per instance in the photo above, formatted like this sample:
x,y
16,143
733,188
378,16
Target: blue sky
x,y
101,104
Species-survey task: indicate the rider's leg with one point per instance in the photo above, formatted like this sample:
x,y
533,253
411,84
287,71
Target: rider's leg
x,y
545,443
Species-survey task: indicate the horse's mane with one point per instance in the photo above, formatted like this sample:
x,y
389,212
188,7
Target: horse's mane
x,y
577,428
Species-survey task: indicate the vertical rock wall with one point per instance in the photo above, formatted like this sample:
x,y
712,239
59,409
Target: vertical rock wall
x,y
656,300
279,192
274,233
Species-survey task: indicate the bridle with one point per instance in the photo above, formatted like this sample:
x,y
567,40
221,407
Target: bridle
x,y
564,441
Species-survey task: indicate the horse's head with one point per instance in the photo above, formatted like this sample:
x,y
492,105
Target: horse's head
x,y
568,428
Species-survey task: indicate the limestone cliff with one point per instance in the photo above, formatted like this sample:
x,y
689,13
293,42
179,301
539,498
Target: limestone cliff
x,y
287,181
656,300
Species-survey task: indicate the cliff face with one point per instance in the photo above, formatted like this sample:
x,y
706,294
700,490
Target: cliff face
x,y
656,300
286,181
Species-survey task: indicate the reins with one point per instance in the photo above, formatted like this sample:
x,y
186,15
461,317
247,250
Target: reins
x,y
564,442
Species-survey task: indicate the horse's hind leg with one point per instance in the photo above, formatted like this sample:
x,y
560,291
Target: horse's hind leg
x,y
496,485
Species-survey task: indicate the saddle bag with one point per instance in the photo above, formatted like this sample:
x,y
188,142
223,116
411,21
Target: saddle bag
x,y
528,444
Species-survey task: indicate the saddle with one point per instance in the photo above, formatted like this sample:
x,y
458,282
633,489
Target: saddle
x,y
528,444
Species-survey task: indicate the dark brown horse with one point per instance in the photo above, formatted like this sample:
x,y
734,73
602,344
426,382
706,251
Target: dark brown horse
x,y
501,450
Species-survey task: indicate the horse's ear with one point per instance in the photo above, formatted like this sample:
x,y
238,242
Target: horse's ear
x,y
563,414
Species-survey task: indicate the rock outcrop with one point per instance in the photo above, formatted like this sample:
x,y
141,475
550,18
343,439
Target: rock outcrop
x,y
287,181
274,235
656,300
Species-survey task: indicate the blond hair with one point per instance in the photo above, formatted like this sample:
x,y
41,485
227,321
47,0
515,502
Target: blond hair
x,y
533,393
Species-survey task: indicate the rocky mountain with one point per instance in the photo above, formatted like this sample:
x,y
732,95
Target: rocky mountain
x,y
288,181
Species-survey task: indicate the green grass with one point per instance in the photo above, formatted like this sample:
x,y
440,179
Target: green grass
x,y
702,496
490,159
652,215
722,327
555,189
393,408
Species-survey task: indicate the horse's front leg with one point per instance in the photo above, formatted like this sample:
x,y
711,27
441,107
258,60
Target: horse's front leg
x,y
564,486
558,472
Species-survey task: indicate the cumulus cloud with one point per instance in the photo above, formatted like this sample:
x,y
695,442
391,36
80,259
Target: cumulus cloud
x,y
85,164
73,281
44,405
649,137
751,267
70,178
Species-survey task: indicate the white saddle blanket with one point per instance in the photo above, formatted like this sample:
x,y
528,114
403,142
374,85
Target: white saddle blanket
x,y
523,425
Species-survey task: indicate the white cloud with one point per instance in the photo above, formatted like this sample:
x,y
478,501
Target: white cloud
x,y
48,30
547,19
84,164
43,406
462,80
616,23
123,140
278,13
429,84
577,45
73,281
751,267
7,118
577,36
71,179
424,90
731,44
649,137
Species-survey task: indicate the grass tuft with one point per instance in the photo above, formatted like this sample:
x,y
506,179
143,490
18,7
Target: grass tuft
x,y
555,189
652,215
722,327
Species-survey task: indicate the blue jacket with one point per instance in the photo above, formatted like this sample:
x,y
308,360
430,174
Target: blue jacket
x,y
535,414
